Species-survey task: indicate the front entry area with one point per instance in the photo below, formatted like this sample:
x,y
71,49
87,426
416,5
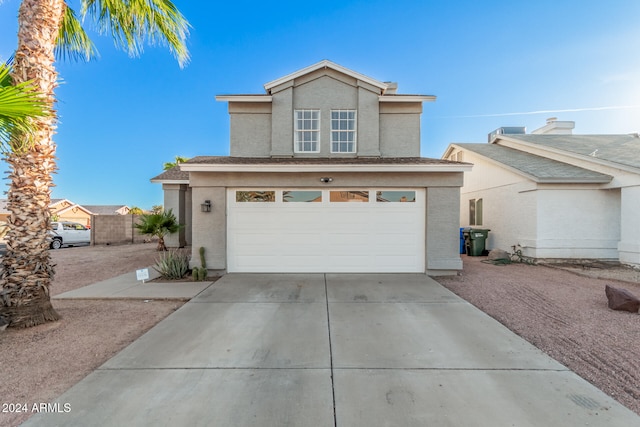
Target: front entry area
x,y
352,230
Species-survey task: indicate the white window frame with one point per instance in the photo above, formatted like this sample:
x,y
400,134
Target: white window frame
x,y
298,144
475,212
339,131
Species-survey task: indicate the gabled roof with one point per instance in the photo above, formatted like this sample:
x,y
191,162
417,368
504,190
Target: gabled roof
x,y
325,64
75,206
618,149
386,94
537,168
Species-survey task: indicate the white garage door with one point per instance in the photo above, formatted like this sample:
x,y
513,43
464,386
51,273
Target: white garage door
x,y
306,230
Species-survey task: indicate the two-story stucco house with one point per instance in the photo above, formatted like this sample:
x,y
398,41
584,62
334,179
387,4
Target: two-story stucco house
x,y
324,175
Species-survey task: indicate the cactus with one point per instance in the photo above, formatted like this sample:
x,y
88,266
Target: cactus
x,y
198,274
203,262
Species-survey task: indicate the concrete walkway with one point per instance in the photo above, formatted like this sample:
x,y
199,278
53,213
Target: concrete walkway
x,y
344,350
127,286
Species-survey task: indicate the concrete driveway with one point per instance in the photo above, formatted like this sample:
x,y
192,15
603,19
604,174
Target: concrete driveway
x,y
332,350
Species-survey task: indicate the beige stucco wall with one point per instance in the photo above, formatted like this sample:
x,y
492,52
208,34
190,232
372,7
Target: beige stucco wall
x,y
443,199
177,197
442,231
250,129
209,229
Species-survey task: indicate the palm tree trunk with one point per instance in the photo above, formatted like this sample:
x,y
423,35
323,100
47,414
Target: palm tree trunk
x,y
27,272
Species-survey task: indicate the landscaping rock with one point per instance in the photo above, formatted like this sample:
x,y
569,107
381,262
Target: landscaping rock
x,y
496,254
621,299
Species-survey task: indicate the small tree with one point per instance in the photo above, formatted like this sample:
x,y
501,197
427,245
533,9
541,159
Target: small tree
x,y
135,211
158,225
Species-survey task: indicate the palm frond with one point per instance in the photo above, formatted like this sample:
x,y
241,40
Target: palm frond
x,y
73,42
18,105
132,23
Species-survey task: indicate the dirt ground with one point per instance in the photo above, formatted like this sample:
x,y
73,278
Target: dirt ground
x,y
563,311
38,364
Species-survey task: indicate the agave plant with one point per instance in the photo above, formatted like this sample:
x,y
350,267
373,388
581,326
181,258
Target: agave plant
x,y
173,264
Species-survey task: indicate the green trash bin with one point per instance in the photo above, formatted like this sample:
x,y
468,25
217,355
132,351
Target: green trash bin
x,y
475,240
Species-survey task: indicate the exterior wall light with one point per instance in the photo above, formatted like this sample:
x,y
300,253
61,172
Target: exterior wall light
x,y
206,206
326,179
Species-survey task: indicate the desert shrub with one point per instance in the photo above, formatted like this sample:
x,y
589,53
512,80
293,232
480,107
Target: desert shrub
x,y
173,264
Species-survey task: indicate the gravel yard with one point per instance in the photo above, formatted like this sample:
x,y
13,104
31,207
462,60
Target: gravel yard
x,y
563,311
40,363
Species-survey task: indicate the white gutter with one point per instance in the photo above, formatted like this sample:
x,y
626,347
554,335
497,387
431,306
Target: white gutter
x,y
244,98
406,98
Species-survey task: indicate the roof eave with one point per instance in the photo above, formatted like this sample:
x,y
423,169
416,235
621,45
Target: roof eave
x,y
244,98
195,167
573,180
406,98
169,181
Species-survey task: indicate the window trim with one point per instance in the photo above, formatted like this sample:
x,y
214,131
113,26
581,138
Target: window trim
x,y
316,131
475,212
354,131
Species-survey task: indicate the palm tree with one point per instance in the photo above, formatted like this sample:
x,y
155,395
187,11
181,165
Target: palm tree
x,y
158,225
47,27
18,103
178,160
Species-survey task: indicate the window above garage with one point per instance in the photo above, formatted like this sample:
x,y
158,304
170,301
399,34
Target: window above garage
x,y
339,196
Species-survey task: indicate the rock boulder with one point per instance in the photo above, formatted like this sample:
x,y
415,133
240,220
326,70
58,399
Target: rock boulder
x,y
622,299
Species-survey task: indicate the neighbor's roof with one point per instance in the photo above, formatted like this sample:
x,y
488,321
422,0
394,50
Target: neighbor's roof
x,y
539,169
324,164
620,149
104,209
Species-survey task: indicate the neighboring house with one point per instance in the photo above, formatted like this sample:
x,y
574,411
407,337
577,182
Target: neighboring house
x,y
108,209
66,210
324,175
555,194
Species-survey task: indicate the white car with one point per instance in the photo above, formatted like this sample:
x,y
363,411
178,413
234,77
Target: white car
x,y
68,233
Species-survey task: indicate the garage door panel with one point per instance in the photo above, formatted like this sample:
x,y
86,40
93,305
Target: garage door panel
x,y
325,236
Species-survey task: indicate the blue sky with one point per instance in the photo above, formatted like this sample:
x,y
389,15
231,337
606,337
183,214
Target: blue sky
x,y
490,63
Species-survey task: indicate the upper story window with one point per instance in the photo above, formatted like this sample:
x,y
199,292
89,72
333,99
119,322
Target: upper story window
x,y
343,131
306,131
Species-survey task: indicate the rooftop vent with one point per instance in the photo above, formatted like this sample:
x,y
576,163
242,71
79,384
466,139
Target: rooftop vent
x,y
507,130
556,127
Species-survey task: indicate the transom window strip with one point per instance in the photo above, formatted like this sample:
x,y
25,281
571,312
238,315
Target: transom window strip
x,y
343,131
332,196
307,131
